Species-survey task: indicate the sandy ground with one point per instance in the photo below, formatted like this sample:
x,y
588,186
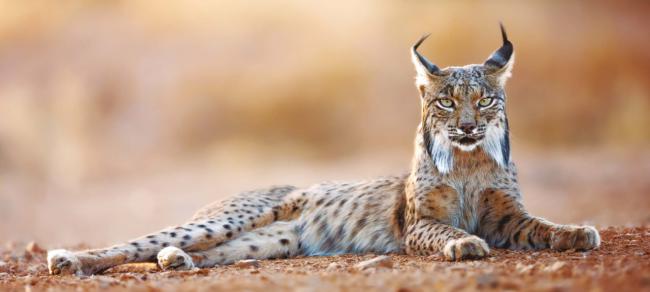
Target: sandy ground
x,y
621,264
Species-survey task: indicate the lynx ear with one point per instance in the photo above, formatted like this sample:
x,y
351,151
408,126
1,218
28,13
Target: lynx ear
x,y
499,64
426,70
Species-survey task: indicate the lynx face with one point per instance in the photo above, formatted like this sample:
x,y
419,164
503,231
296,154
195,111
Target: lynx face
x,y
464,107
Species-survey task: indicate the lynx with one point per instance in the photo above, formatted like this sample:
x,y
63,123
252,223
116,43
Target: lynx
x,y
460,198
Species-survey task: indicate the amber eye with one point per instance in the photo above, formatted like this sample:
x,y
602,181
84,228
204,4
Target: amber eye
x,y
485,102
446,103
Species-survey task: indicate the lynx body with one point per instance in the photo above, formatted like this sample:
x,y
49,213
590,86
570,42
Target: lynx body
x,y
460,198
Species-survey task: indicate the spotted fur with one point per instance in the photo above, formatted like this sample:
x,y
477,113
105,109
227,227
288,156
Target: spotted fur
x,y
460,198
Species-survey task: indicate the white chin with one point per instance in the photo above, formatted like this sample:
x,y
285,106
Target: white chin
x,y
466,148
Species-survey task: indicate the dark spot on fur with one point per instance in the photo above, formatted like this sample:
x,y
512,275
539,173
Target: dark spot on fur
x,y
502,223
323,228
316,218
330,202
187,237
229,234
226,226
254,248
341,232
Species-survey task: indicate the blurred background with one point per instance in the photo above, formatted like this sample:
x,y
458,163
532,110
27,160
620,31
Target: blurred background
x,y
121,117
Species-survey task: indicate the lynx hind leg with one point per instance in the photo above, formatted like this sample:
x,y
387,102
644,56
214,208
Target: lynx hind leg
x,y
278,240
226,221
172,257
61,261
261,198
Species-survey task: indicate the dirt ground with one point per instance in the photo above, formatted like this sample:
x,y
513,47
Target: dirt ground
x,y
621,264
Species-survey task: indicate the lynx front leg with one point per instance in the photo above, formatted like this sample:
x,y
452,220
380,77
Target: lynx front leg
x,y
427,237
278,240
504,223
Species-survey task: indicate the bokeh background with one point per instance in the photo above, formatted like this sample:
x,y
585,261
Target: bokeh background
x,y
121,117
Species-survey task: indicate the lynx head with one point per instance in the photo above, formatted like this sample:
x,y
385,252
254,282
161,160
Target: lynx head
x,y
464,107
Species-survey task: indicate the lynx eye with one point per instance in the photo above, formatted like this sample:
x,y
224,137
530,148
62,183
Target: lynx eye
x,y
445,103
485,102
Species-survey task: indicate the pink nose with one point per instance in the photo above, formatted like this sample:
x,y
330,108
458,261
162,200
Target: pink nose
x,y
467,128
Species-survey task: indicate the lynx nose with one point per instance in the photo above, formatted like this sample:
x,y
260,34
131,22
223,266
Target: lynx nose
x,y
467,128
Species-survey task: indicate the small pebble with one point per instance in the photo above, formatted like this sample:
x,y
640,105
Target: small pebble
x,y
34,248
378,262
555,266
247,264
333,267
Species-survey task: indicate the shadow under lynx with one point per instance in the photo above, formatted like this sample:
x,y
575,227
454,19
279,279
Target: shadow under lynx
x,y
460,197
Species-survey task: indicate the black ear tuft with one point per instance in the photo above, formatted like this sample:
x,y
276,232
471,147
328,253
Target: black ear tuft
x,y
501,57
421,60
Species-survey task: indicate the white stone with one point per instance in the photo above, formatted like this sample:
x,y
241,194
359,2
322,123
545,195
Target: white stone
x,y
378,262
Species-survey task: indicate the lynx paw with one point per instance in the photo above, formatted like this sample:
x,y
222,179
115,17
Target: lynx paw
x,y
61,261
173,258
575,237
471,247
